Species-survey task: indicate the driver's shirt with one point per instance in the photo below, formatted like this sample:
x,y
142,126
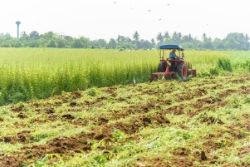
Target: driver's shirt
x,y
172,55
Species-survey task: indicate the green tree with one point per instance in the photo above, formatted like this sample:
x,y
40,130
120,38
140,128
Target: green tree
x,y
61,43
100,43
236,41
82,42
51,44
160,38
112,43
176,38
34,35
218,44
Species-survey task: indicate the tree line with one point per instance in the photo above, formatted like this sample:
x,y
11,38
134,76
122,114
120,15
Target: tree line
x,y
233,41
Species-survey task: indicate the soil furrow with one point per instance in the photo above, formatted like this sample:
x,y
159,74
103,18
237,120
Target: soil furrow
x,y
131,125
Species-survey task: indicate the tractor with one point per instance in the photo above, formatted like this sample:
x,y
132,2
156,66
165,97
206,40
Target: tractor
x,y
170,68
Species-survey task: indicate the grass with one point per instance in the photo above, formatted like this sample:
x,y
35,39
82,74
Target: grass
x,y
40,73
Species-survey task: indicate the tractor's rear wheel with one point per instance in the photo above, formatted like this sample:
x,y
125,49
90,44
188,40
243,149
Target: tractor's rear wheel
x,y
184,72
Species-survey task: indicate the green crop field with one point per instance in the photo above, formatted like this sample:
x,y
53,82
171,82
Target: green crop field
x,y
39,73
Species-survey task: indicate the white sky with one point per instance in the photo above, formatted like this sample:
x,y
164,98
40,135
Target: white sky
x,y
108,18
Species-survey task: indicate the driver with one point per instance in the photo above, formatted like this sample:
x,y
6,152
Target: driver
x,y
172,55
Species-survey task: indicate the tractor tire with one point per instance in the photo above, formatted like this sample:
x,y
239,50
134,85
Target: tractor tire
x,y
162,66
184,72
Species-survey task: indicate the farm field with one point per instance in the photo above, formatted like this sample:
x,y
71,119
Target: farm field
x,y
28,73
123,83
202,122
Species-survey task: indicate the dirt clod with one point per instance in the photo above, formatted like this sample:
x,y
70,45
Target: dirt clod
x,y
21,115
73,104
146,121
211,120
7,139
50,110
68,117
17,108
76,95
181,152
102,120
10,161
203,156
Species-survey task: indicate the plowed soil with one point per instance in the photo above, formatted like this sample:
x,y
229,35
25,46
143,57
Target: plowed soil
x,y
204,117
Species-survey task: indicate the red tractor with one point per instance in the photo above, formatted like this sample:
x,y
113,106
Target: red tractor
x,y
174,67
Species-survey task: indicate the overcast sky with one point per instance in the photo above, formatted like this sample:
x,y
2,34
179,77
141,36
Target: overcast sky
x,y
108,18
